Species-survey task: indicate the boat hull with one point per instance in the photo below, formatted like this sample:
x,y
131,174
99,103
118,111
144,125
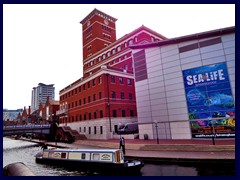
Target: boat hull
x,y
96,167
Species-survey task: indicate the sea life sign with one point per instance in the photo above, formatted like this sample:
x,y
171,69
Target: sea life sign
x,y
210,102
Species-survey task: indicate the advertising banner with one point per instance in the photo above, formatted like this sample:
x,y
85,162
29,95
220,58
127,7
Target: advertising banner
x,y
210,101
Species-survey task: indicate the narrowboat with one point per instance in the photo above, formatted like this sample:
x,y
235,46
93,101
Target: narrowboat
x,y
109,161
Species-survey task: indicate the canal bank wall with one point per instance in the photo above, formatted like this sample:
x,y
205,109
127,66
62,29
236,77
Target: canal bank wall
x,y
170,151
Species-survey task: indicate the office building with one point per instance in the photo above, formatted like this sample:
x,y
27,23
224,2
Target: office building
x,y
40,94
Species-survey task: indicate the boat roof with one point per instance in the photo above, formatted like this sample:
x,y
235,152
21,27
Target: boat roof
x,y
83,150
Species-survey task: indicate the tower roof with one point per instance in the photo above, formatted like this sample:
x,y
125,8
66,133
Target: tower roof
x,y
98,13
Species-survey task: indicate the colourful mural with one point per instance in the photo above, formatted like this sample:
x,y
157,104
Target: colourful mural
x,y
210,101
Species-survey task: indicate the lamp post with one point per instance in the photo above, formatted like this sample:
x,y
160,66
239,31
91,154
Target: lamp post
x,y
54,127
108,104
156,130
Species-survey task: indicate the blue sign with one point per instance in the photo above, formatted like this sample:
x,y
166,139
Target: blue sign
x,y
208,94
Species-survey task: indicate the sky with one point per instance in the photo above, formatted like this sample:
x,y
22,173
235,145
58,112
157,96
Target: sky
x,y
42,43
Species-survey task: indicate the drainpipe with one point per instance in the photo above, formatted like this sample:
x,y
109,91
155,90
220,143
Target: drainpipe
x,y
108,105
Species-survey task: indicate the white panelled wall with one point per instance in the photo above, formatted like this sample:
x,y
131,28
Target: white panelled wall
x,y
161,97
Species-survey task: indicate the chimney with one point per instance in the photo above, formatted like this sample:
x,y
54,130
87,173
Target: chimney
x,y
29,110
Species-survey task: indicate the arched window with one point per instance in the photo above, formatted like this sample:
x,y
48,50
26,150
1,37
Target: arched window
x,y
119,48
131,42
104,56
113,51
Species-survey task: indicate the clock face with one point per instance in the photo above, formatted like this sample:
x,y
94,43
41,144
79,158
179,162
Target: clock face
x,y
88,23
106,21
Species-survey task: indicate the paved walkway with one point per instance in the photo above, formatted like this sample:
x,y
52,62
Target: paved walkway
x,y
166,150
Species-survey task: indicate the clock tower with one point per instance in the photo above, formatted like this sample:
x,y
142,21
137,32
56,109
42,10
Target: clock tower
x,y
99,31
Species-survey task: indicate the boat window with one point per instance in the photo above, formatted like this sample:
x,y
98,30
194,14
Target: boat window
x,y
83,156
95,156
63,155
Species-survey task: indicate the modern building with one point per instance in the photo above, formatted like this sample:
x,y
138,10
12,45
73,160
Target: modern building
x,y
40,94
95,104
11,115
185,86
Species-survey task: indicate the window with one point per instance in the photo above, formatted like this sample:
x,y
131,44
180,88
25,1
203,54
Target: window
x,y
80,102
83,156
131,42
113,94
93,82
121,80
80,117
63,155
101,129
131,113
89,84
79,89
94,97
76,119
129,81
119,48
130,96
84,129
114,113
113,51
125,66
135,39
113,79
125,44
122,95
95,115
90,116
104,56
99,79
85,117
152,39
123,113
99,58
76,103
80,129
95,130
101,114
89,130
108,54
84,87
89,99
100,95
84,101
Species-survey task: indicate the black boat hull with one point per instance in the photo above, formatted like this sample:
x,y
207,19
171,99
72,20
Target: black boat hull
x,y
98,167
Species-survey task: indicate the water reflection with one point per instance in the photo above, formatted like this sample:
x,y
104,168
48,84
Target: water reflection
x,y
22,151
167,170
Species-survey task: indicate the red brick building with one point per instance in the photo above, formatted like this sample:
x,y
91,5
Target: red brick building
x,y
95,104
47,111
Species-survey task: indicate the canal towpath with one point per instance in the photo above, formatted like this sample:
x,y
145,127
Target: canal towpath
x,y
166,150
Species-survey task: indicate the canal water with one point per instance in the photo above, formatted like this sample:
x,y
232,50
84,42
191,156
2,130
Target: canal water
x,y
22,151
